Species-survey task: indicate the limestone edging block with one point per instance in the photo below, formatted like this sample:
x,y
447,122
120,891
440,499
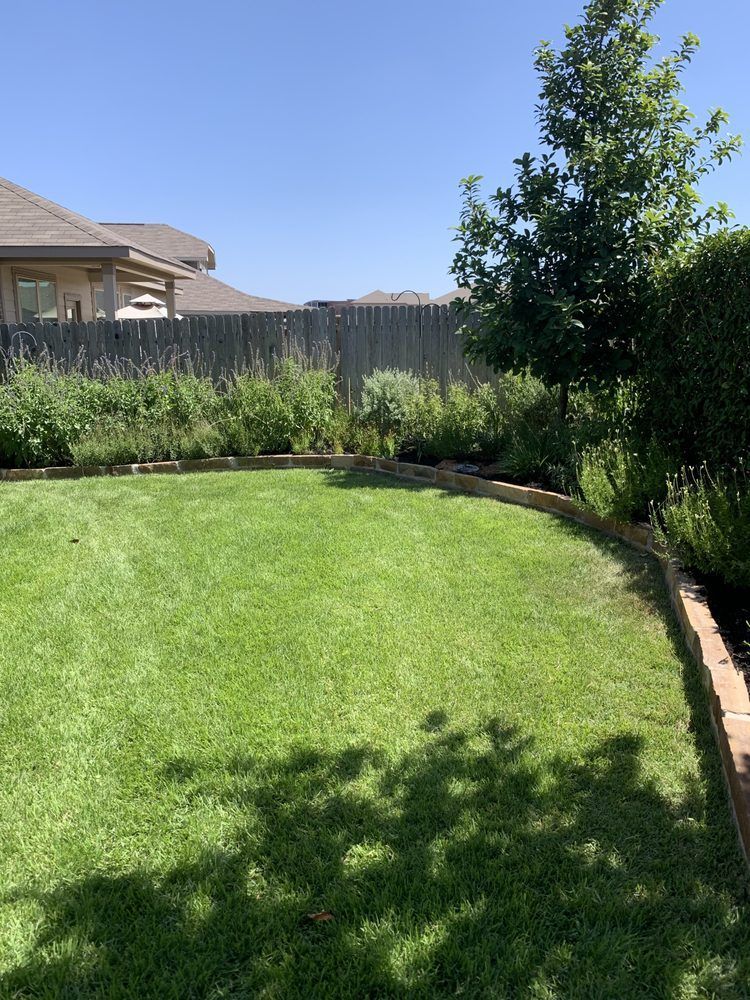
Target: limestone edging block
x,y
734,743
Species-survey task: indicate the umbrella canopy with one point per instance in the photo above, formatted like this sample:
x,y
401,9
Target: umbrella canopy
x,y
147,300
144,307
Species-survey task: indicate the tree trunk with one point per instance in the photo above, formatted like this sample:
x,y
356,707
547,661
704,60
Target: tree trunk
x,y
564,397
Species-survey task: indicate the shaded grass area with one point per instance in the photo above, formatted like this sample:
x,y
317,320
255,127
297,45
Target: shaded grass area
x,y
465,730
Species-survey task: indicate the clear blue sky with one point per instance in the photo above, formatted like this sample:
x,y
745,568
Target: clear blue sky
x,y
317,146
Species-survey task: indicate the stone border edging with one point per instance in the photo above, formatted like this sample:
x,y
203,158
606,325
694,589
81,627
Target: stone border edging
x,y
729,699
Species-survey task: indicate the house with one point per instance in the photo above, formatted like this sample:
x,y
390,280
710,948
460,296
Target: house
x,y
376,298
336,304
57,265
449,297
407,298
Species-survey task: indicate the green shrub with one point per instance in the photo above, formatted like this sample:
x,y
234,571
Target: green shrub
x,y
309,394
387,399
705,522
516,421
458,425
540,455
42,411
293,410
615,411
526,433
365,439
464,425
523,402
616,480
256,417
695,352
53,413
47,409
110,444
177,397
119,443
492,420
340,430
424,418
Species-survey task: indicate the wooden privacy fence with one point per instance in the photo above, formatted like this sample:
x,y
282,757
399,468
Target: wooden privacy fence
x,y
361,339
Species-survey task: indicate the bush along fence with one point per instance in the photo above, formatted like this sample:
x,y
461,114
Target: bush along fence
x,y
362,338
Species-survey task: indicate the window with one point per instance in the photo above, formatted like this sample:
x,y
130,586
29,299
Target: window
x,y
37,299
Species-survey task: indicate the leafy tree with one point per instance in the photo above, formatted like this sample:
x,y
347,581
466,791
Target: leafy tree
x,y
557,263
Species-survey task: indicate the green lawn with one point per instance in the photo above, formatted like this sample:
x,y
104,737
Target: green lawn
x,y
466,730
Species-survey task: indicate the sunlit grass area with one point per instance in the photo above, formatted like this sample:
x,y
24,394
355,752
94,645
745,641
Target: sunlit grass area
x,y
462,736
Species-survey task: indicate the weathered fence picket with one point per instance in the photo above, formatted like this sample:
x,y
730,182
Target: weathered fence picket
x,y
360,339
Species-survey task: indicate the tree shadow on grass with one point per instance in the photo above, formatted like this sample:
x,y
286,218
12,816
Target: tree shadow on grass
x,y
468,864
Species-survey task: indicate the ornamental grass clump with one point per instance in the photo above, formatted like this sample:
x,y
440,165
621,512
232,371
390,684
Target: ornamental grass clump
x,y
122,443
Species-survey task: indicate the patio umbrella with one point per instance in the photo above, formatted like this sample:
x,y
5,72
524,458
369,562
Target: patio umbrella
x,y
144,307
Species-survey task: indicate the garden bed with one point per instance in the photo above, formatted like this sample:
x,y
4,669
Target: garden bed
x,y
730,606
335,734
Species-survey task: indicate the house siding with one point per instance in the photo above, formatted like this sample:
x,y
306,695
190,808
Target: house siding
x,y
71,280
74,281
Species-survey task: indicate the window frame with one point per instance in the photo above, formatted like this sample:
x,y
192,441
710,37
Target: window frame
x,y
23,274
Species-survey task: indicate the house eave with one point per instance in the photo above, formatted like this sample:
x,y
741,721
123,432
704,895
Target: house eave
x,y
76,254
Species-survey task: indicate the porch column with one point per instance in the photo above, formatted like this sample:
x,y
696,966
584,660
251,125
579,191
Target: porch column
x,y
171,300
109,280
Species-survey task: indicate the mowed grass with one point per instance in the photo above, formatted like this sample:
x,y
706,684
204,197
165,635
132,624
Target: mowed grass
x,y
464,733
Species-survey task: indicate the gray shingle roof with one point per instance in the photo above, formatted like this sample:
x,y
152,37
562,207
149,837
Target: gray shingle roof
x,y
207,294
28,220
381,298
164,239
457,293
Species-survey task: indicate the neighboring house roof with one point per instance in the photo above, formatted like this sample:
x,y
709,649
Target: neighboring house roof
x,y
457,293
165,239
380,298
31,223
206,294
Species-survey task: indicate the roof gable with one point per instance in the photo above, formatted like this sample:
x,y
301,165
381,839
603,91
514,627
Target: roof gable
x,y
457,293
165,239
381,298
28,220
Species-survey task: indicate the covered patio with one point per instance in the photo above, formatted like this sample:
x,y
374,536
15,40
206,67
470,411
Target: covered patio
x,y
56,265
